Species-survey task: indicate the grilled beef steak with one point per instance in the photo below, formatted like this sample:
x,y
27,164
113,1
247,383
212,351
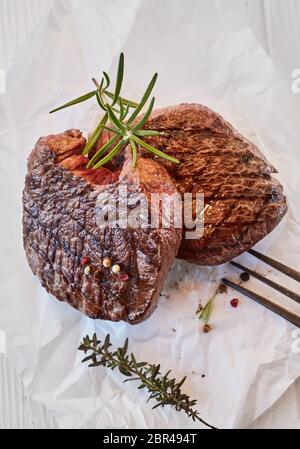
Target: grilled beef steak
x,y
64,245
243,202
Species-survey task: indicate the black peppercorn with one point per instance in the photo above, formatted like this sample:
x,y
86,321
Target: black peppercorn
x,y
245,276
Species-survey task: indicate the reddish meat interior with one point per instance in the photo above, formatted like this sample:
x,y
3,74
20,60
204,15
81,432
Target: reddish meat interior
x,y
100,176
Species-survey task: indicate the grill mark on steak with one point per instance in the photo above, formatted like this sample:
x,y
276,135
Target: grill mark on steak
x,y
65,247
132,269
60,228
231,172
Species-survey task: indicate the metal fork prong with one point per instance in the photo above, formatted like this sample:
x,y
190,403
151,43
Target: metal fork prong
x,y
279,310
292,295
277,265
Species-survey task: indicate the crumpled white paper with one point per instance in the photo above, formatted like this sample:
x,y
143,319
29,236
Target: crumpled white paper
x,y
203,53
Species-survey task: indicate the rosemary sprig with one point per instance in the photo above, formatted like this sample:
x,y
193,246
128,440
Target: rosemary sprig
x,y
116,110
163,389
128,134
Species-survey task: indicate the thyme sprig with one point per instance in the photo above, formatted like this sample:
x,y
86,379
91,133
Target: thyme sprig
x,y
162,388
116,111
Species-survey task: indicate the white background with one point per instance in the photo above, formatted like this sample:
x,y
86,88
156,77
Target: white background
x,y
276,24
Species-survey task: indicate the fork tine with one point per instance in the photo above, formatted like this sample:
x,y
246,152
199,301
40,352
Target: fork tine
x,y
292,295
279,310
277,265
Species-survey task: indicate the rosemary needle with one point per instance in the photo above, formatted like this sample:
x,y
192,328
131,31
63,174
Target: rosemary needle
x,y
99,153
75,101
95,135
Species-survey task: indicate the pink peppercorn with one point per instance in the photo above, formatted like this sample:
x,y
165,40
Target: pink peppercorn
x,y
234,302
123,277
84,260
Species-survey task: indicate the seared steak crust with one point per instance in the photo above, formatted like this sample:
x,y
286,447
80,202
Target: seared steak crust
x,y
243,202
60,228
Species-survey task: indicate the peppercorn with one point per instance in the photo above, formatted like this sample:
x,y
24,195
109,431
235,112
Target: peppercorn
x,y
124,277
222,288
106,262
245,276
116,269
234,302
87,269
206,328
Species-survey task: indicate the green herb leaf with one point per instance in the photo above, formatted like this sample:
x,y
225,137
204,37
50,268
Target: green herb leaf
x,y
146,133
107,80
147,114
122,109
119,79
206,312
86,359
143,100
155,151
113,130
133,152
107,342
75,101
132,104
114,119
99,96
180,383
111,154
96,134
124,371
126,111
125,347
102,150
